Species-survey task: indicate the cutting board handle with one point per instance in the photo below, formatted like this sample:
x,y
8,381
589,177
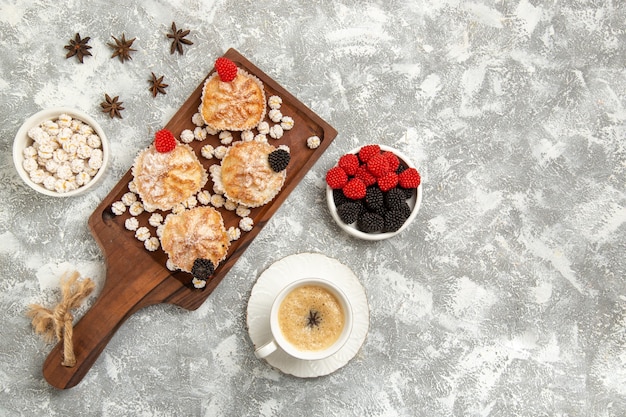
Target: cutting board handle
x,y
126,290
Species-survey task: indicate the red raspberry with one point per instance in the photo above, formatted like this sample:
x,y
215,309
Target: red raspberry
x,y
355,189
367,151
350,163
364,175
388,181
226,69
378,165
336,178
392,160
409,178
164,141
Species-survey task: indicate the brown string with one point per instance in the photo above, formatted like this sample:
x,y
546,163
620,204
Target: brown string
x,y
58,321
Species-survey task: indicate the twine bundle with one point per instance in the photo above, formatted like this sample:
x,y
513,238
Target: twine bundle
x,y
57,322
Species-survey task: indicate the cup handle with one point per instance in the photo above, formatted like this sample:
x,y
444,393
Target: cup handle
x,y
266,349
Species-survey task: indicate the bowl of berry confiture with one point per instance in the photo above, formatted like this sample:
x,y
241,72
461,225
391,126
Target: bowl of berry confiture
x,y
374,192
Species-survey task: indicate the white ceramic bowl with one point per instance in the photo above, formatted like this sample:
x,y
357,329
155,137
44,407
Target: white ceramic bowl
x,y
22,141
414,203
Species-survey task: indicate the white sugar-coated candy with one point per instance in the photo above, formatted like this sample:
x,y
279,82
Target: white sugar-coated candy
x,y
60,156
51,166
135,208
142,234
246,224
191,202
275,115
199,133
118,208
226,137
85,129
230,205
30,164
204,197
217,200
211,131
276,132
131,224
247,136
155,220
38,176
220,152
170,265
94,141
70,147
38,135
29,152
197,119
207,151
64,186
78,165
49,183
64,120
129,198
313,142
83,144
187,136
64,171
263,128
178,208
95,163
82,178
97,153
274,102
261,138
287,123
242,211
151,244
65,134
198,283
233,233
75,125
78,139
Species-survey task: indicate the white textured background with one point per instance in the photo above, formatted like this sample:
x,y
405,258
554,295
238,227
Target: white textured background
x,y
506,297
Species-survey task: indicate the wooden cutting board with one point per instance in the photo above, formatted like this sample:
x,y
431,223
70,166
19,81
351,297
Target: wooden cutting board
x,y
135,277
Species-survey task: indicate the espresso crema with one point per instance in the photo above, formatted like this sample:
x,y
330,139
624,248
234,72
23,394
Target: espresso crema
x,y
311,318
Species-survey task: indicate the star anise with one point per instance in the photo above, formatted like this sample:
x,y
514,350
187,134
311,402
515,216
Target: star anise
x,y
122,48
157,85
78,47
313,319
178,39
112,106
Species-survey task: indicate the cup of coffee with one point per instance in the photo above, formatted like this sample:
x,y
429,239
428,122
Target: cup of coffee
x,y
310,319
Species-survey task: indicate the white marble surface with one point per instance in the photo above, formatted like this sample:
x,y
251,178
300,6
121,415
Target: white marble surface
x,y
506,297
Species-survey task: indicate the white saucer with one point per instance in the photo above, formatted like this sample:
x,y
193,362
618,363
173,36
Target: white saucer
x,y
289,269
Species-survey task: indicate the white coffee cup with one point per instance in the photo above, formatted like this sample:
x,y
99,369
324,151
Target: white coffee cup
x,y
300,328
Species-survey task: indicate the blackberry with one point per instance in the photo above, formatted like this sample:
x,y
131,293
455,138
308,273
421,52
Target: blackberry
x,y
349,212
278,159
374,198
202,268
408,192
405,209
370,223
394,220
381,211
339,198
402,167
394,198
